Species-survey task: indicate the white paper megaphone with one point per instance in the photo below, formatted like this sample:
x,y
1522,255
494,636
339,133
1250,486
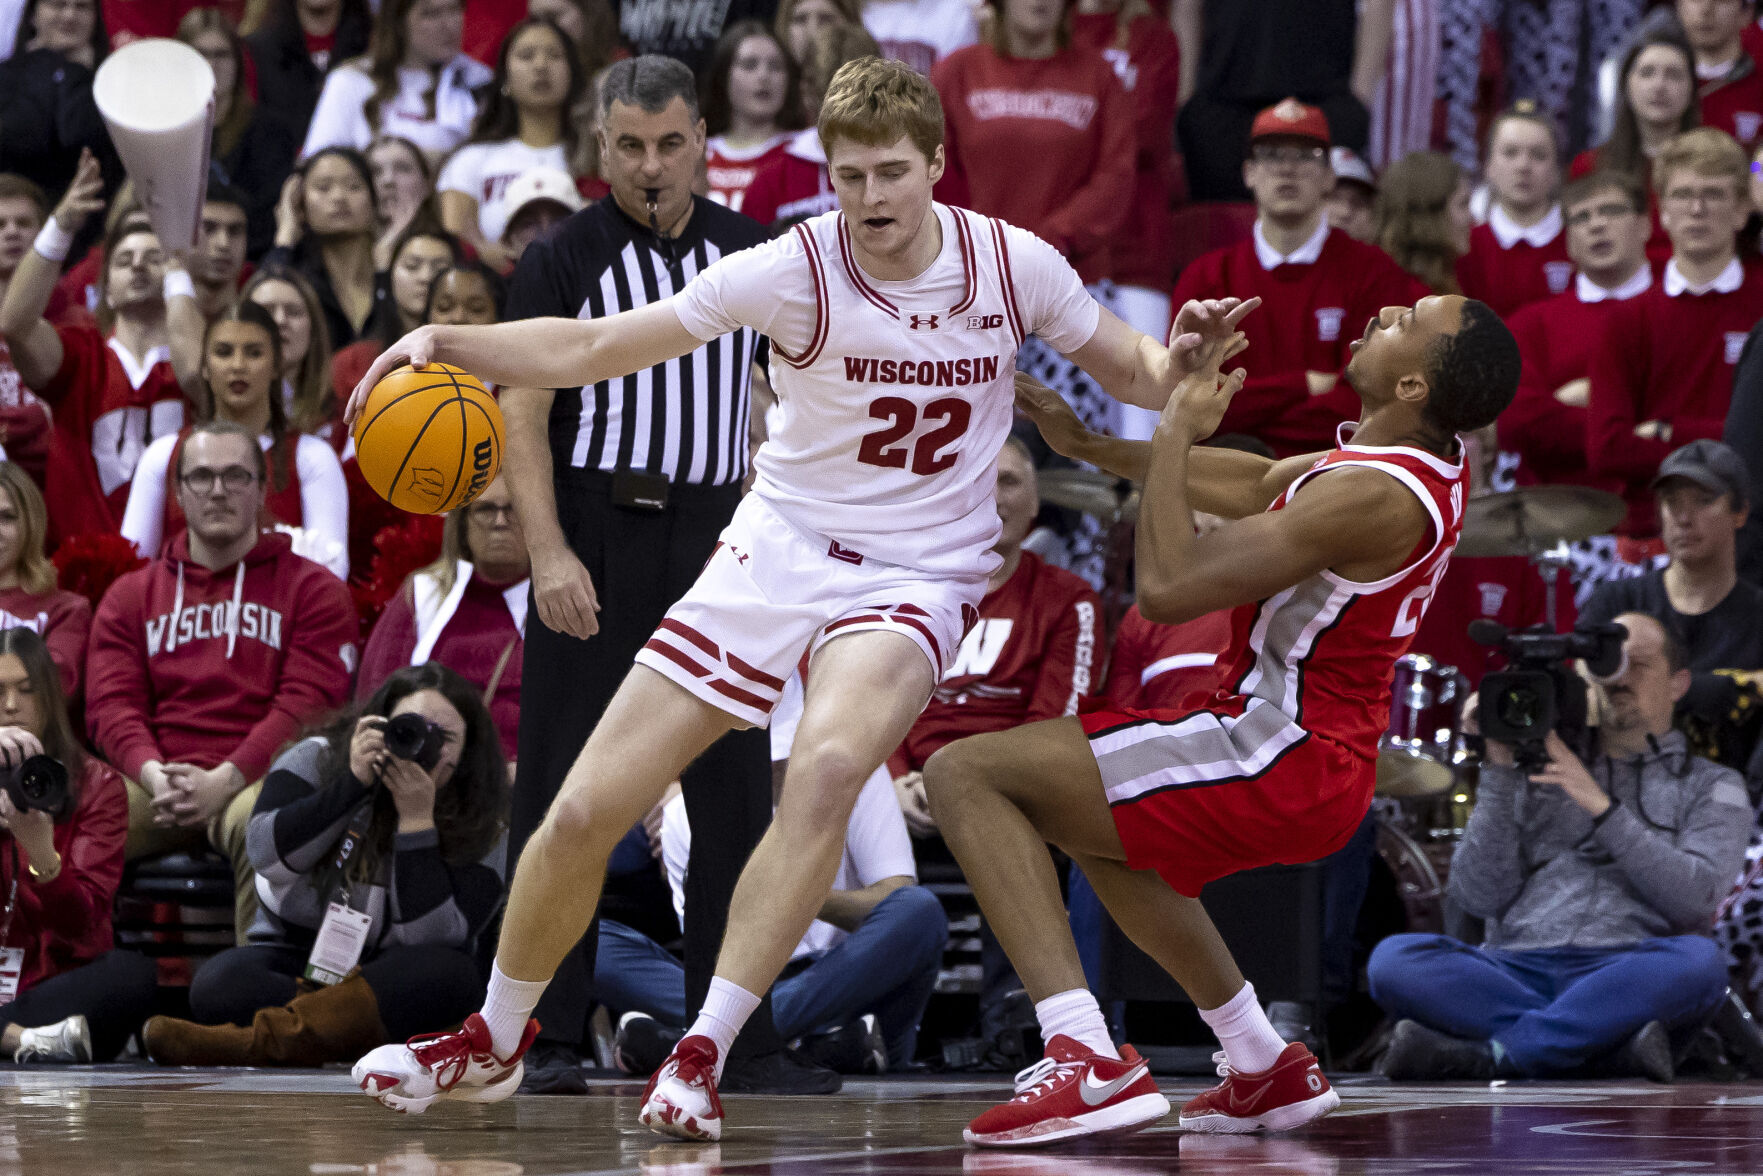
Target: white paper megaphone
x,y
157,98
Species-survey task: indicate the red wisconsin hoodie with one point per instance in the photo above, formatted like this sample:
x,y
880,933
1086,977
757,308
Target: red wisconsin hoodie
x,y
206,667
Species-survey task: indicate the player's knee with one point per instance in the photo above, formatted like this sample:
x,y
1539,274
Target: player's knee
x,y
823,783
576,821
952,772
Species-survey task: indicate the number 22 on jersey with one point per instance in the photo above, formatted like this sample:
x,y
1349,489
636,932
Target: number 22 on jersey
x,y
937,427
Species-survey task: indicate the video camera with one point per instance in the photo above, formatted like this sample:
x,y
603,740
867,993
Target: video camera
x,y
1539,691
39,782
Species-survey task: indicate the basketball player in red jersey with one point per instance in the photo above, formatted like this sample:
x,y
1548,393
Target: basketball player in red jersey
x,y
1329,567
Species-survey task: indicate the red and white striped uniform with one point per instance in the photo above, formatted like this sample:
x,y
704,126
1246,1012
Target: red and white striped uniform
x,y
1402,109
1293,734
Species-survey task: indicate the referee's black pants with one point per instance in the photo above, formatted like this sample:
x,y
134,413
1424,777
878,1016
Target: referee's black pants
x,y
642,562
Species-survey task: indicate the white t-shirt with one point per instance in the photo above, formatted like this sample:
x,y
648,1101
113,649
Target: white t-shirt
x,y
341,116
890,431
920,33
877,846
324,500
483,171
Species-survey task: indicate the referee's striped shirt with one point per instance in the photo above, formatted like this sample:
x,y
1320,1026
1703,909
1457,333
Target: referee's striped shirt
x,y
685,419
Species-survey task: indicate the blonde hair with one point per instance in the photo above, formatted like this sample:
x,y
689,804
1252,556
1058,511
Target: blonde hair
x,y
1706,152
1412,220
786,12
36,574
455,546
875,102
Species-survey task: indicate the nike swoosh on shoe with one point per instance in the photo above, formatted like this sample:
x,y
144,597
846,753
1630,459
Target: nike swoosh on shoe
x,y
1095,1094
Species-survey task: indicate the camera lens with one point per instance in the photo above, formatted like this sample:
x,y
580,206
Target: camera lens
x,y
1520,708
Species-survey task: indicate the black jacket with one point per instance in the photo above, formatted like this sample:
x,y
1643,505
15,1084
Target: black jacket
x,y
259,163
287,82
46,115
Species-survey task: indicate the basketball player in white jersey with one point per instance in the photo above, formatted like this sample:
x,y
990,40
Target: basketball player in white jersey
x,y
866,543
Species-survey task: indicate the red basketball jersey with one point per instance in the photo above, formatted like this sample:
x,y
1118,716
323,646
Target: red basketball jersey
x,y
1322,651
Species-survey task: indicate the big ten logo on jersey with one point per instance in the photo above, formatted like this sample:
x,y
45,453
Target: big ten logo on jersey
x,y
984,322
981,649
1557,274
1328,323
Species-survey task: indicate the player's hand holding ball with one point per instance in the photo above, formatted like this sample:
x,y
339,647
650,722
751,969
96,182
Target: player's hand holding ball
x,y
428,438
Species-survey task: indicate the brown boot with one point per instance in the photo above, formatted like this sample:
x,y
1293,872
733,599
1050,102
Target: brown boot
x,y
335,1024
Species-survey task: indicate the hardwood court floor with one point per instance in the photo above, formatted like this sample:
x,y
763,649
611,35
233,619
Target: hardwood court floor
x,y
62,1122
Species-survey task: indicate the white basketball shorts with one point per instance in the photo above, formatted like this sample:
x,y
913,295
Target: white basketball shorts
x,y
773,592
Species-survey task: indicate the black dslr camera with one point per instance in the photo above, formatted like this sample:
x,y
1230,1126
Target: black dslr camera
x,y
40,783
1539,691
411,737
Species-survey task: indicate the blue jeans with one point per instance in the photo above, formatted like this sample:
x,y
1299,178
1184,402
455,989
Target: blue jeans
x,y
1552,1010
887,966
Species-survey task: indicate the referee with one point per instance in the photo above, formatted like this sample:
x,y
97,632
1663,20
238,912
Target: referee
x,y
622,490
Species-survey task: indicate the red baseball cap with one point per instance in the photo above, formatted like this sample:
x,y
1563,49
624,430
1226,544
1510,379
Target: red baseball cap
x,y
1291,119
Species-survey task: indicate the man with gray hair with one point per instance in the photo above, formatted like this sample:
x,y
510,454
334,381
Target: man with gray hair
x,y
622,488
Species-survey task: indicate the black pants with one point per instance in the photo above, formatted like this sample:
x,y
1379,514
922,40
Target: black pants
x,y
420,988
115,992
641,563
1214,139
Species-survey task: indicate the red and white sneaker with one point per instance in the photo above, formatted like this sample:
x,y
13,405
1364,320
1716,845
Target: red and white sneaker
x,y
1072,1091
1288,1094
681,1098
462,1065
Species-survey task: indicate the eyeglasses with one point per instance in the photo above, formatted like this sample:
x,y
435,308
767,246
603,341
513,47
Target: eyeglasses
x,y
1286,153
490,512
1712,197
201,479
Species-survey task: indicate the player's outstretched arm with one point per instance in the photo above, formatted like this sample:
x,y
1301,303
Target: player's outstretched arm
x,y
1136,369
541,352
1360,523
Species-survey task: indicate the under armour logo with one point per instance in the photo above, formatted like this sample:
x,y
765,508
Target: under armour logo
x,y
740,556
924,322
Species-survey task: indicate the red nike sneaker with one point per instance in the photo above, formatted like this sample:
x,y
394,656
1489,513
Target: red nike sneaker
x,y
1288,1094
1072,1091
458,1065
681,1100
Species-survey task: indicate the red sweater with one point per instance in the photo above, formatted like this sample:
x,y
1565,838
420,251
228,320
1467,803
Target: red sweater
x,y
166,680
1734,104
1067,114
1664,358
62,619
1556,338
1308,315
792,187
1159,667
1032,655
103,421
1507,279
1149,69
67,922
24,422
471,644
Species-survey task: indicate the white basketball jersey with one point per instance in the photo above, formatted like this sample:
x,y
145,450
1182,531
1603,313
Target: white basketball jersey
x,y
894,397
894,414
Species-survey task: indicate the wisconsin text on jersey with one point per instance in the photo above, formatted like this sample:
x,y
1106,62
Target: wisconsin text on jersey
x,y
941,373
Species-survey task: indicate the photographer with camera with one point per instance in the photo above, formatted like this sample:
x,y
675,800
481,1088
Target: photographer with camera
x,y
377,843
65,995
1598,878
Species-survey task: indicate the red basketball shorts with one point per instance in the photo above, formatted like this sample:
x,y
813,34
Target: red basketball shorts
x,y
1199,794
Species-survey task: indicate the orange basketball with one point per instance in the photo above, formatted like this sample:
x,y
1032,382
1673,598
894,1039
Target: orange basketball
x,y
429,441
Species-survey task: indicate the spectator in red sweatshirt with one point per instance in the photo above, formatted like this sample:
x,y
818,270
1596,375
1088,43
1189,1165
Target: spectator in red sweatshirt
x,y
1728,82
1147,58
29,598
206,661
1317,287
1029,93
1033,654
112,389
795,186
24,418
1520,255
1662,372
70,998
1607,228
466,611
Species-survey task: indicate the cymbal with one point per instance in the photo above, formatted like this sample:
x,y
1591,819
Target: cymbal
x,y
1091,492
1404,774
1534,518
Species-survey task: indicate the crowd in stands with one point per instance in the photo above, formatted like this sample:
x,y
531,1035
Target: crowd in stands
x,y
211,620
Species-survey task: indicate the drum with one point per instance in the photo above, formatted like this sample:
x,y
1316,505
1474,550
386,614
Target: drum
x,y
1415,756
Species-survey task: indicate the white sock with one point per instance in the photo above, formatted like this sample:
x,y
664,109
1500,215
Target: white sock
x,y
507,1007
726,1008
1250,1043
1077,1015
